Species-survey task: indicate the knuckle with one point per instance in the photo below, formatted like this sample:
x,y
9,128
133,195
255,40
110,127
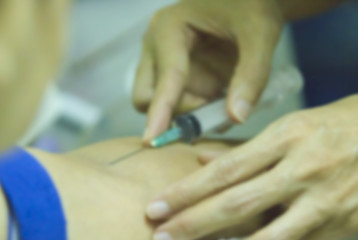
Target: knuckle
x,y
299,120
243,201
180,196
225,173
292,128
323,211
304,173
312,171
235,204
321,163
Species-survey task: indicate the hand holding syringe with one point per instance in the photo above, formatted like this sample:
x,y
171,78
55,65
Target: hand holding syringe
x,y
283,82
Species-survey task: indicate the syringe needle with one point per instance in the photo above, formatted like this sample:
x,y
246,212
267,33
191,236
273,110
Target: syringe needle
x,y
126,156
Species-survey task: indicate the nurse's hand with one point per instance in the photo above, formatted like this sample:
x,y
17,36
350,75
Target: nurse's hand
x,y
307,161
195,49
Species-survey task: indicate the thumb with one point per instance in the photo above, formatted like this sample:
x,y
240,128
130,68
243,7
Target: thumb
x,y
250,78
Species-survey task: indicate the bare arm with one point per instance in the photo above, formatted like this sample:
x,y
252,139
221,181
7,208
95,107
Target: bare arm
x,y
108,202
148,173
298,9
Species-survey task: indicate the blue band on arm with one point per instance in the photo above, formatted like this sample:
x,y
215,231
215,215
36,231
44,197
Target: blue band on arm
x,y
32,196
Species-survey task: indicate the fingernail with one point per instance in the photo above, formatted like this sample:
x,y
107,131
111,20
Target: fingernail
x,y
162,236
158,210
242,110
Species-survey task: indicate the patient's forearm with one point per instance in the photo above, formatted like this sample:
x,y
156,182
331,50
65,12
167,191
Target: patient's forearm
x,y
3,216
154,170
98,198
158,168
104,201
108,202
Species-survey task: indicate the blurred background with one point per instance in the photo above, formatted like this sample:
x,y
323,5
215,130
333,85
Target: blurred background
x,y
91,99
327,50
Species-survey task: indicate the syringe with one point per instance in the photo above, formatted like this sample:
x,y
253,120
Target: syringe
x,y
284,82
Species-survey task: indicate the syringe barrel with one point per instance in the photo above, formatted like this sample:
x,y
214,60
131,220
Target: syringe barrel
x,y
284,81
211,116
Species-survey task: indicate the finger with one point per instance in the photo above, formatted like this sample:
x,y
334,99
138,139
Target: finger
x,y
239,165
245,229
204,80
210,149
143,88
251,75
172,57
189,102
300,220
230,208
329,232
208,156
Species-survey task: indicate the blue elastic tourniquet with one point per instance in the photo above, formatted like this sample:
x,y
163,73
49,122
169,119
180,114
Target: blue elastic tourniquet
x,y
32,196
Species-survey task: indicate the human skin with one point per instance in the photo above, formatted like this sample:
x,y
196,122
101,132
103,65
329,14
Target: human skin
x,y
196,51
312,156
298,9
104,201
31,46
